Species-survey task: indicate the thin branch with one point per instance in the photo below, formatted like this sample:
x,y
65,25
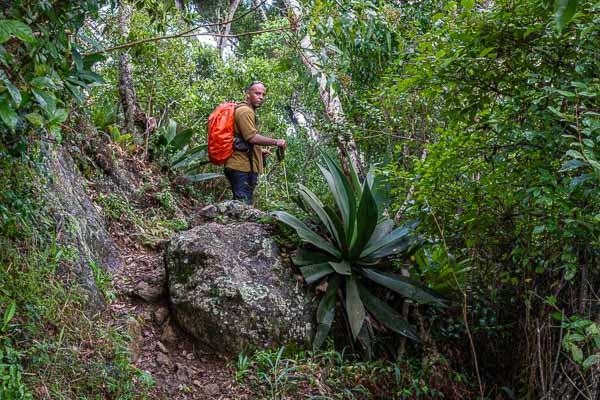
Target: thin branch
x,y
156,39
176,35
285,28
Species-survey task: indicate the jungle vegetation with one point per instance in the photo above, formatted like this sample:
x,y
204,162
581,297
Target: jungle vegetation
x,y
467,130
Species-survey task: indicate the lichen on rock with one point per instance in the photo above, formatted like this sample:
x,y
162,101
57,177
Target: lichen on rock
x,y
229,289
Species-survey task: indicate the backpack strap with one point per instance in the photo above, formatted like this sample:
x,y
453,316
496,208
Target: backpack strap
x,y
250,151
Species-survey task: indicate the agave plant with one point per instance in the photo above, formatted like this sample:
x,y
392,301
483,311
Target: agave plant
x,y
189,160
350,254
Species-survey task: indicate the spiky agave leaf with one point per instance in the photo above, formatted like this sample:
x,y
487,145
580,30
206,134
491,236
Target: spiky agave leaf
x,y
306,233
386,314
314,272
186,158
395,242
315,204
366,222
342,193
354,307
405,286
326,312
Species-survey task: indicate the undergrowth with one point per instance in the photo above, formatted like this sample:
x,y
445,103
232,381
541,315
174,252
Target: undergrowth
x,y
52,345
333,375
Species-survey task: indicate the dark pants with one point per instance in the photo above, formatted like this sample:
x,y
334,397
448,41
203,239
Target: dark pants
x,y
242,184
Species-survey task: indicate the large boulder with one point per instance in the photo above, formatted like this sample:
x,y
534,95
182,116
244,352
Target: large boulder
x,y
229,289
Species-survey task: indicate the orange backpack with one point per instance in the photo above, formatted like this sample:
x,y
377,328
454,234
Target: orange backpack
x,y
220,133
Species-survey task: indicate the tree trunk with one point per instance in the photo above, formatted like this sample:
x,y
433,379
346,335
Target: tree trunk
x,y
222,41
301,120
331,101
135,120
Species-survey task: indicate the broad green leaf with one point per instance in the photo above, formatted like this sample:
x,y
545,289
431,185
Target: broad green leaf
x,y
307,257
576,353
77,60
171,131
59,116
342,268
182,138
203,177
313,273
306,233
313,202
43,82
14,92
467,4
405,286
564,10
9,27
326,313
7,114
386,314
45,100
354,306
366,221
5,32
571,165
591,360
574,154
75,92
91,77
35,119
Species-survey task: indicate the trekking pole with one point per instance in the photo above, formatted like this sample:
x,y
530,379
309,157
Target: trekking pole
x,y
281,158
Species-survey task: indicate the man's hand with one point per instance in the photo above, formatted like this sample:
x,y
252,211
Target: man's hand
x,y
281,143
266,152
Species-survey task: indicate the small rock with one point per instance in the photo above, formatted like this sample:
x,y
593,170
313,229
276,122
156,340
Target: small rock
x,y
209,211
212,389
168,334
163,359
134,329
161,347
161,314
149,293
197,383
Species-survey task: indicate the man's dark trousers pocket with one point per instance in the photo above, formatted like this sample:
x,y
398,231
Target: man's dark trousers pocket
x,y
242,184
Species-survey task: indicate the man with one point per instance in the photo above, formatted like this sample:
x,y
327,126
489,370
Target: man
x,y
246,162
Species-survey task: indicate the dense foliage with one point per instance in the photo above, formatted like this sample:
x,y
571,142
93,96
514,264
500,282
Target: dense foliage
x,y
482,120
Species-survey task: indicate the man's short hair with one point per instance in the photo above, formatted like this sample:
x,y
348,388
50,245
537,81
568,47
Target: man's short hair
x,y
252,84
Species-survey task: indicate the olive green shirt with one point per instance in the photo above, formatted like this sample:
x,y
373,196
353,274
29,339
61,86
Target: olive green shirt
x,y
244,126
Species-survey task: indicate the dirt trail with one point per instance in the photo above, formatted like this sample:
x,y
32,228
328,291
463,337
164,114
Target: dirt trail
x,y
179,365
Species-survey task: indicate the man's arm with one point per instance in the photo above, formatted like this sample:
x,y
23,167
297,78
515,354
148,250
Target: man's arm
x,y
267,141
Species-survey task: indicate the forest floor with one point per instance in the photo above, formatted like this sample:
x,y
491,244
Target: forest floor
x,y
180,367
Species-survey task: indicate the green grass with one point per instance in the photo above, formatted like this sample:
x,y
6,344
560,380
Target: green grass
x,y
332,375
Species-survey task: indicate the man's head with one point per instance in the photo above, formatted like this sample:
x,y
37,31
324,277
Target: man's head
x,y
255,94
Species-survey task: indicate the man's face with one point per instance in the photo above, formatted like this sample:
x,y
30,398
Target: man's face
x,y
256,95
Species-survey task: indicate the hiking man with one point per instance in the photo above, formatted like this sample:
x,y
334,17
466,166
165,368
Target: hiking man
x,y
246,162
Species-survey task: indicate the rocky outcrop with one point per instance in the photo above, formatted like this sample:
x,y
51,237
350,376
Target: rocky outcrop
x,y
79,226
229,289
